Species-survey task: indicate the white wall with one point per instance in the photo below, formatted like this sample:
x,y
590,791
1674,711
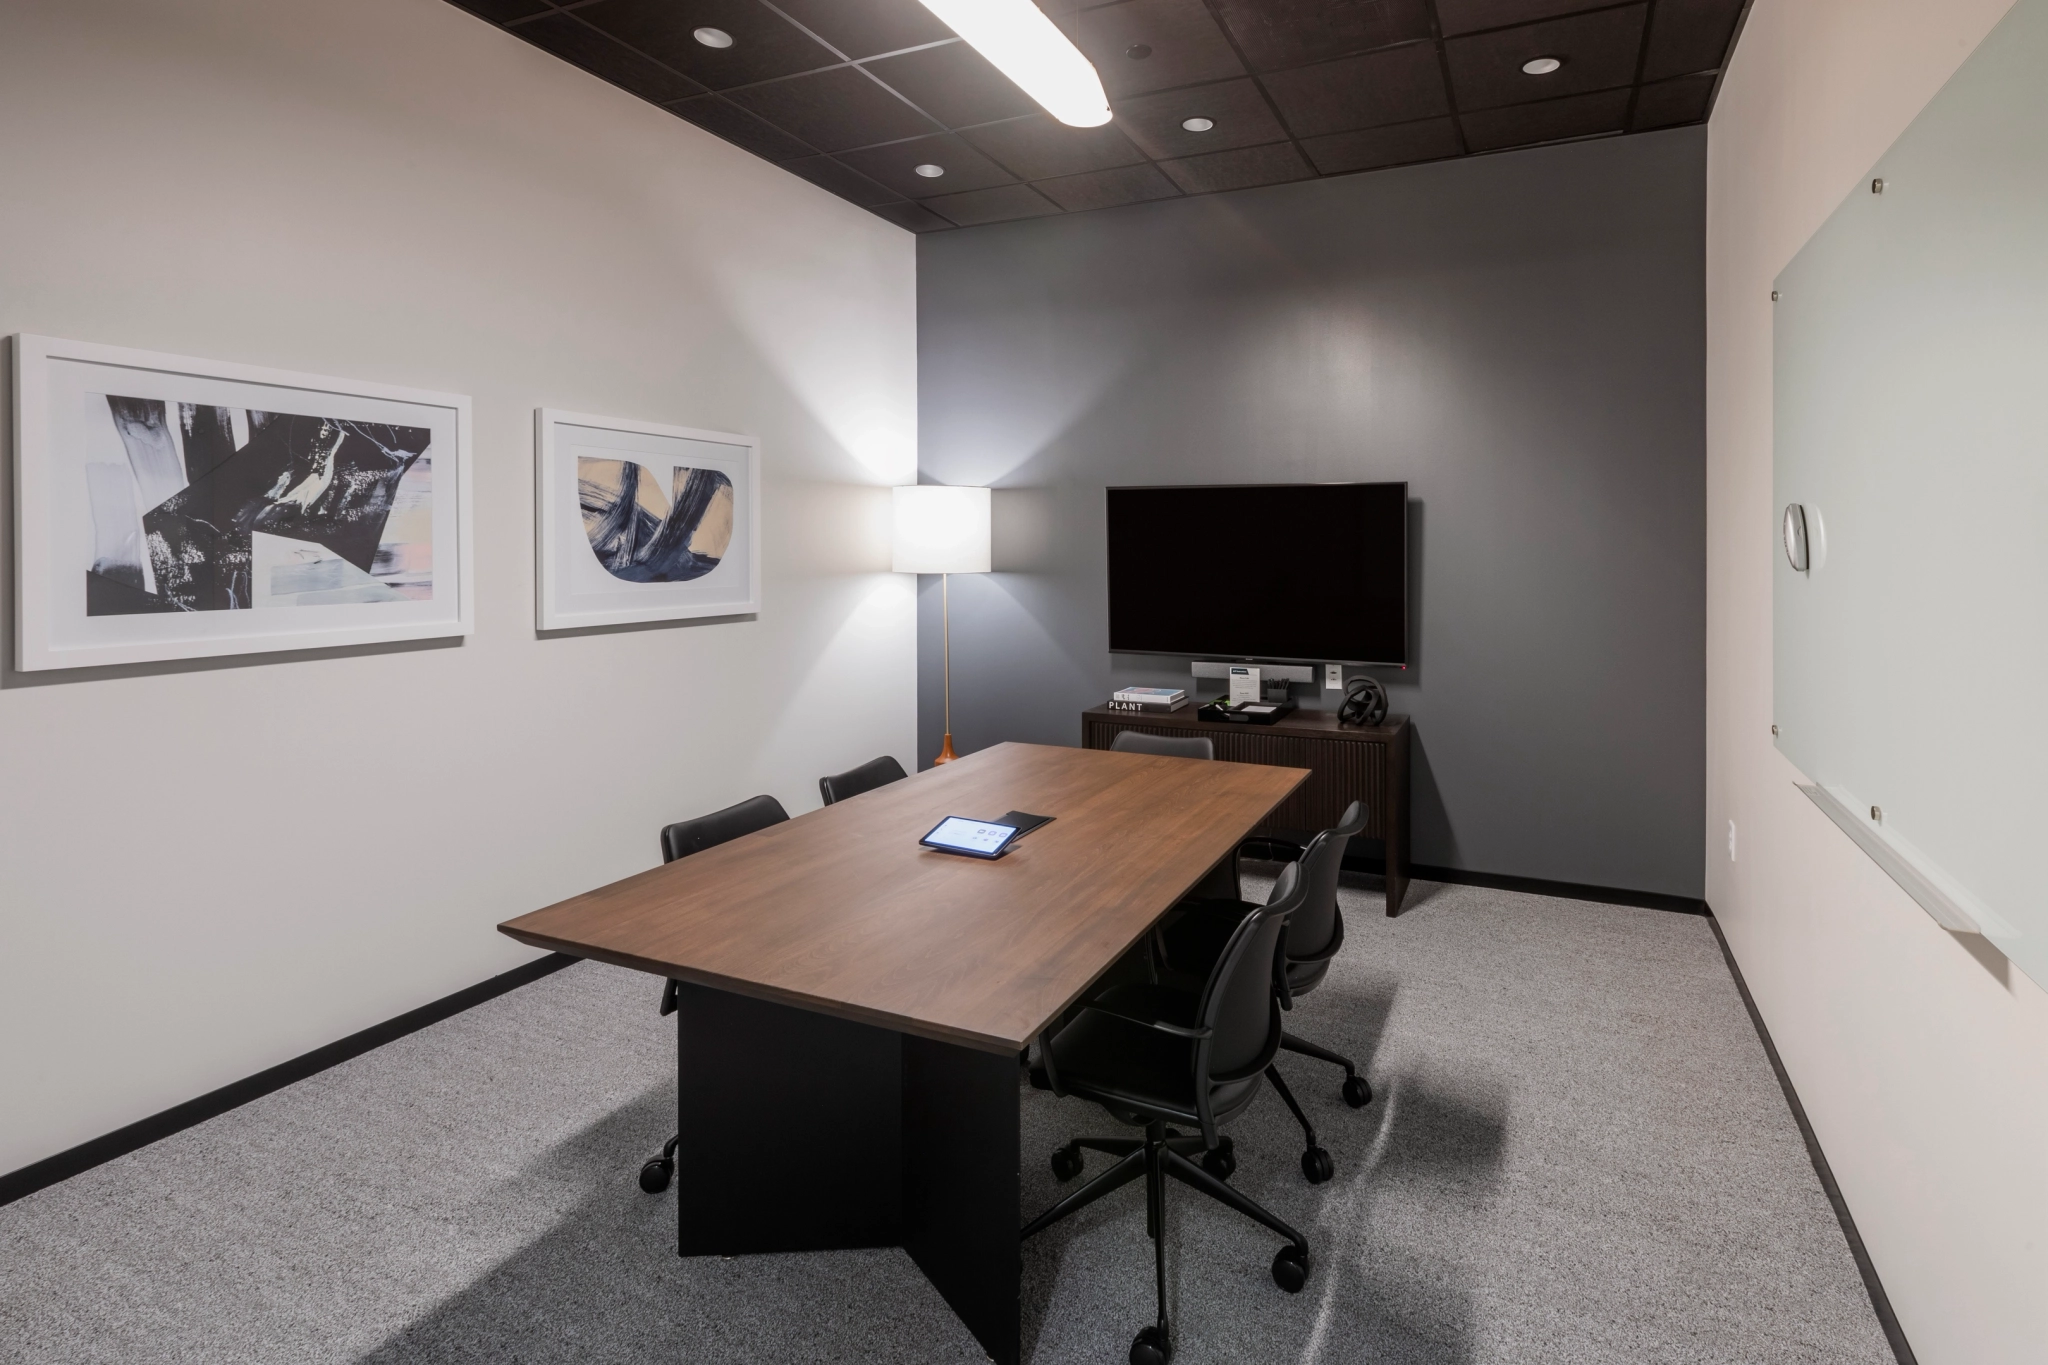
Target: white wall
x,y
1922,1057
207,869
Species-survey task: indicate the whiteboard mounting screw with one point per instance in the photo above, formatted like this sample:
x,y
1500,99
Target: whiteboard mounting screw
x,y
1877,815
1774,296
1877,185
1774,729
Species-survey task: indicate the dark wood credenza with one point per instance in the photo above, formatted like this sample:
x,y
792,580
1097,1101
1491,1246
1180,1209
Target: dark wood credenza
x,y
1346,763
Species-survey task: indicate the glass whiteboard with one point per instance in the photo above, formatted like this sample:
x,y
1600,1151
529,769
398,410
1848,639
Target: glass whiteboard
x,y
1911,663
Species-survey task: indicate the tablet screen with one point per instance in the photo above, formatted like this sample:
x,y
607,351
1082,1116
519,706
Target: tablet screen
x,y
970,836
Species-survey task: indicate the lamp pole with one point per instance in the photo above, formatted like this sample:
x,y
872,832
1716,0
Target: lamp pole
x,y
946,754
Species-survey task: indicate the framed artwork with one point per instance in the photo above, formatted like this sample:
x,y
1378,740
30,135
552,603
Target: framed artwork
x,y
173,508
640,522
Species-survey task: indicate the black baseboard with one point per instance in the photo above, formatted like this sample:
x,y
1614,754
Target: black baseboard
x,y
1879,1300
142,1132
1535,886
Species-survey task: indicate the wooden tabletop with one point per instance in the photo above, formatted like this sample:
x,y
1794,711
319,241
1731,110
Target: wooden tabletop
x,y
841,910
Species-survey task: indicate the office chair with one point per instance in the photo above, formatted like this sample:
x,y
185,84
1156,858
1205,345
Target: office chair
x,y
1153,1056
680,840
1164,746
1220,882
1315,933
876,772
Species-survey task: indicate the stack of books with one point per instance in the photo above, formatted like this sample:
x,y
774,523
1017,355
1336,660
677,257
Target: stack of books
x,y
1148,699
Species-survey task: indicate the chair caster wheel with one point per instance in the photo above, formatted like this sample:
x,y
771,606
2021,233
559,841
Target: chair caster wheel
x,y
1357,1093
655,1174
1220,1162
1290,1271
1151,1347
1066,1163
1317,1166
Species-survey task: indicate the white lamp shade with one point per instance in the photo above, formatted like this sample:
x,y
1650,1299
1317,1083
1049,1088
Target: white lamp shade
x,y
940,529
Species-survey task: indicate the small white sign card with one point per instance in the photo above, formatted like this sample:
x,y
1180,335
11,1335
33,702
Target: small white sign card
x,y
173,508
640,522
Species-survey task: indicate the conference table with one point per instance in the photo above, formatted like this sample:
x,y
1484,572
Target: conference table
x,y
852,1005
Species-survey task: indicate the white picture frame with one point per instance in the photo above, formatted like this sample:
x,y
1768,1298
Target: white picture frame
x,y
97,424
578,585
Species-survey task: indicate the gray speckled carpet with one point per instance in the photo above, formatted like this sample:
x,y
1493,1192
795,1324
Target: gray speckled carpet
x,y
1578,1154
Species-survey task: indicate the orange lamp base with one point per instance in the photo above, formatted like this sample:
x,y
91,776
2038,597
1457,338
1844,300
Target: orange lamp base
x,y
946,754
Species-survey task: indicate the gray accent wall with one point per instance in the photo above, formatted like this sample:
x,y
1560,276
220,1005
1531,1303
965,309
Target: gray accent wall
x,y
1520,337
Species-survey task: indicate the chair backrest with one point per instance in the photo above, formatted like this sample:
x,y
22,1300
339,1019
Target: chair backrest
x,y
1163,746
1238,1006
1310,929
876,772
685,837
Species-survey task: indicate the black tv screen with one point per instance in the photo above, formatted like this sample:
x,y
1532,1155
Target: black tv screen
x,y
1301,573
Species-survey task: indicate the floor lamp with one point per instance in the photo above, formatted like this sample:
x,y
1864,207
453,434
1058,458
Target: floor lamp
x,y
943,530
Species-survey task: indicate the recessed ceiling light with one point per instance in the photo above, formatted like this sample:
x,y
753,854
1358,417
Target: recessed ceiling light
x,y
1541,66
1198,125
713,37
931,172
1138,52
1019,41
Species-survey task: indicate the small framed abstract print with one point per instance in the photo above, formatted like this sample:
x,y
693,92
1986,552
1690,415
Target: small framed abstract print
x,y
174,508
641,522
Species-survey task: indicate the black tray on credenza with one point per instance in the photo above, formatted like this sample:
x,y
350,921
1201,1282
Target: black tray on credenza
x,y
1223,712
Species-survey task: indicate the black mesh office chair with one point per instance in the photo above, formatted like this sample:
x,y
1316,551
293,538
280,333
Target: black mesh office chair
x,y
1165,746
876,772
680,840
1220,882
1315,933
1153,1056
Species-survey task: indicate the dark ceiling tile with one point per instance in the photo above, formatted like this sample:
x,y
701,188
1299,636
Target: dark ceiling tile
x,y
1107,189
502,11
998,205
714,115
1522,125
848,184
1179,40
1666,104
764,44
1467,16
1690,35
954,84
916,217
1282,33
1399,85
1598,51
1040,147
1273,164
600,55
869,27
1431,140
895,165
1239,112
833,110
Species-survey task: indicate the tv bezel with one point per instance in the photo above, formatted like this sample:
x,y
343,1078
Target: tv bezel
x,y
1407,616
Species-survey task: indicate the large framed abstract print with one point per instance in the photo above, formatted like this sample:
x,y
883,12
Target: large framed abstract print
x,y
641,522
173,508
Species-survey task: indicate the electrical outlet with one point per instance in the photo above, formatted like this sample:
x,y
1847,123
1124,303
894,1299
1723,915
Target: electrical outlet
x,y
1333,677
1731,841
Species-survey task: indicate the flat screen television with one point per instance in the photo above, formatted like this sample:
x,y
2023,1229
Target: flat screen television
x,y
1289,573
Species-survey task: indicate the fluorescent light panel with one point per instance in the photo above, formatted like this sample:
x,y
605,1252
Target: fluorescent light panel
x,y
1029,48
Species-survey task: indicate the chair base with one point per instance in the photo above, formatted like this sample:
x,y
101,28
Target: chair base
x,y
1160,1153
655,1175
1357,1092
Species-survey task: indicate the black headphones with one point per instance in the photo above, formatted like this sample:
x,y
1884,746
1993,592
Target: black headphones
x,y
1365,703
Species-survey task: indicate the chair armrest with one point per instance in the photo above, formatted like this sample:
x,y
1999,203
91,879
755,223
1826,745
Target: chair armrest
x,y
1142,1006
670,995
